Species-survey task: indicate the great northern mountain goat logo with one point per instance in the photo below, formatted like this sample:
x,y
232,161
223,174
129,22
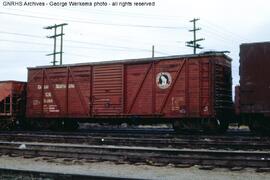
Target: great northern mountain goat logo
x,y
163,80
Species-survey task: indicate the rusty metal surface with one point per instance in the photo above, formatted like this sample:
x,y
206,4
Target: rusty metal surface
x,y
12,98
255,78
168,88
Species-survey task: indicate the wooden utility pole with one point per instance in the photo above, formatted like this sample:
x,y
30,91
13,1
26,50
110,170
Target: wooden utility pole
x,y
153,51
194,43
55,52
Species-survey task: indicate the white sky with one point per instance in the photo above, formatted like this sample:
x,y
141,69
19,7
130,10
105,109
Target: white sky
x,y
110,33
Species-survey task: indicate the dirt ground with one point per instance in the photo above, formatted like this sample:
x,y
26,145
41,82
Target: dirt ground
x,y
127,170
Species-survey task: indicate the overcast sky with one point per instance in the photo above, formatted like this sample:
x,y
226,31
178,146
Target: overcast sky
x,y
111,33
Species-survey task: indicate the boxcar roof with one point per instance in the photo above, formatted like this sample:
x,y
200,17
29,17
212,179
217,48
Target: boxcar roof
x,y
140,60
12,81
255,43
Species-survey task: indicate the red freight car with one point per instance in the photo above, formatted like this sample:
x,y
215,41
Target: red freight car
x,y
12,102
191,91
255,84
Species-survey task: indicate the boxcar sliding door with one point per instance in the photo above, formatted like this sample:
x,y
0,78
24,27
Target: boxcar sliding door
x,y
107,90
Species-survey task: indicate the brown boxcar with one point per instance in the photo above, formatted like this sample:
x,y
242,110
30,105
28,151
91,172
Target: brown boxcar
x,y
173,88
255,83
12,102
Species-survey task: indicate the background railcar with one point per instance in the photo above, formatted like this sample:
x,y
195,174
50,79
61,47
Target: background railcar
x,y
254,85
12,103
190,91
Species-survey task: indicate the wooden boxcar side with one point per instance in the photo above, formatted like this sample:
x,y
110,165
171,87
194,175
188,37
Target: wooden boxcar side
x,y
59,92
155,89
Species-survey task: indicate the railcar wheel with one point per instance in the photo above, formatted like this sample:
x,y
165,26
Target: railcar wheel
x,y
56,125
207,125
187,125
70,125
216,126
177,126
64,125
261,126
37,124
6,124
251,127
223,127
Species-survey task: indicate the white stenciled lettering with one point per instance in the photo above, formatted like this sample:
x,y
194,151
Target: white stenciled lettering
x,y
47,101
70,86
48,94
39,87
36,102
63,86
60,86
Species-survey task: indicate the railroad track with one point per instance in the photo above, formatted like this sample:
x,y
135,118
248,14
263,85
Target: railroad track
x,y
39,175
145,155
146,140
132,131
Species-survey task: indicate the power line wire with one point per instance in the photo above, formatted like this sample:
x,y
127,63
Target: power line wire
x,y
224,30
21,51
20,34
92,22
81,47
25,42
73,41
219,34
81,42
103,12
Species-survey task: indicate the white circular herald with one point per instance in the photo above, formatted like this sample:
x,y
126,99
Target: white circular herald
x,y
163,80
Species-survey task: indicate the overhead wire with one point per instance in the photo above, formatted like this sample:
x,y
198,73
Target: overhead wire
x,y
20,34
163,41
82,42
25,42
21,51
106,12
223,30
101,46
211,30
94,22
112,47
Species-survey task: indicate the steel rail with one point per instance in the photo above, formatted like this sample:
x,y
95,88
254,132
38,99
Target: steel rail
x,y
152,156
33,174
195,142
